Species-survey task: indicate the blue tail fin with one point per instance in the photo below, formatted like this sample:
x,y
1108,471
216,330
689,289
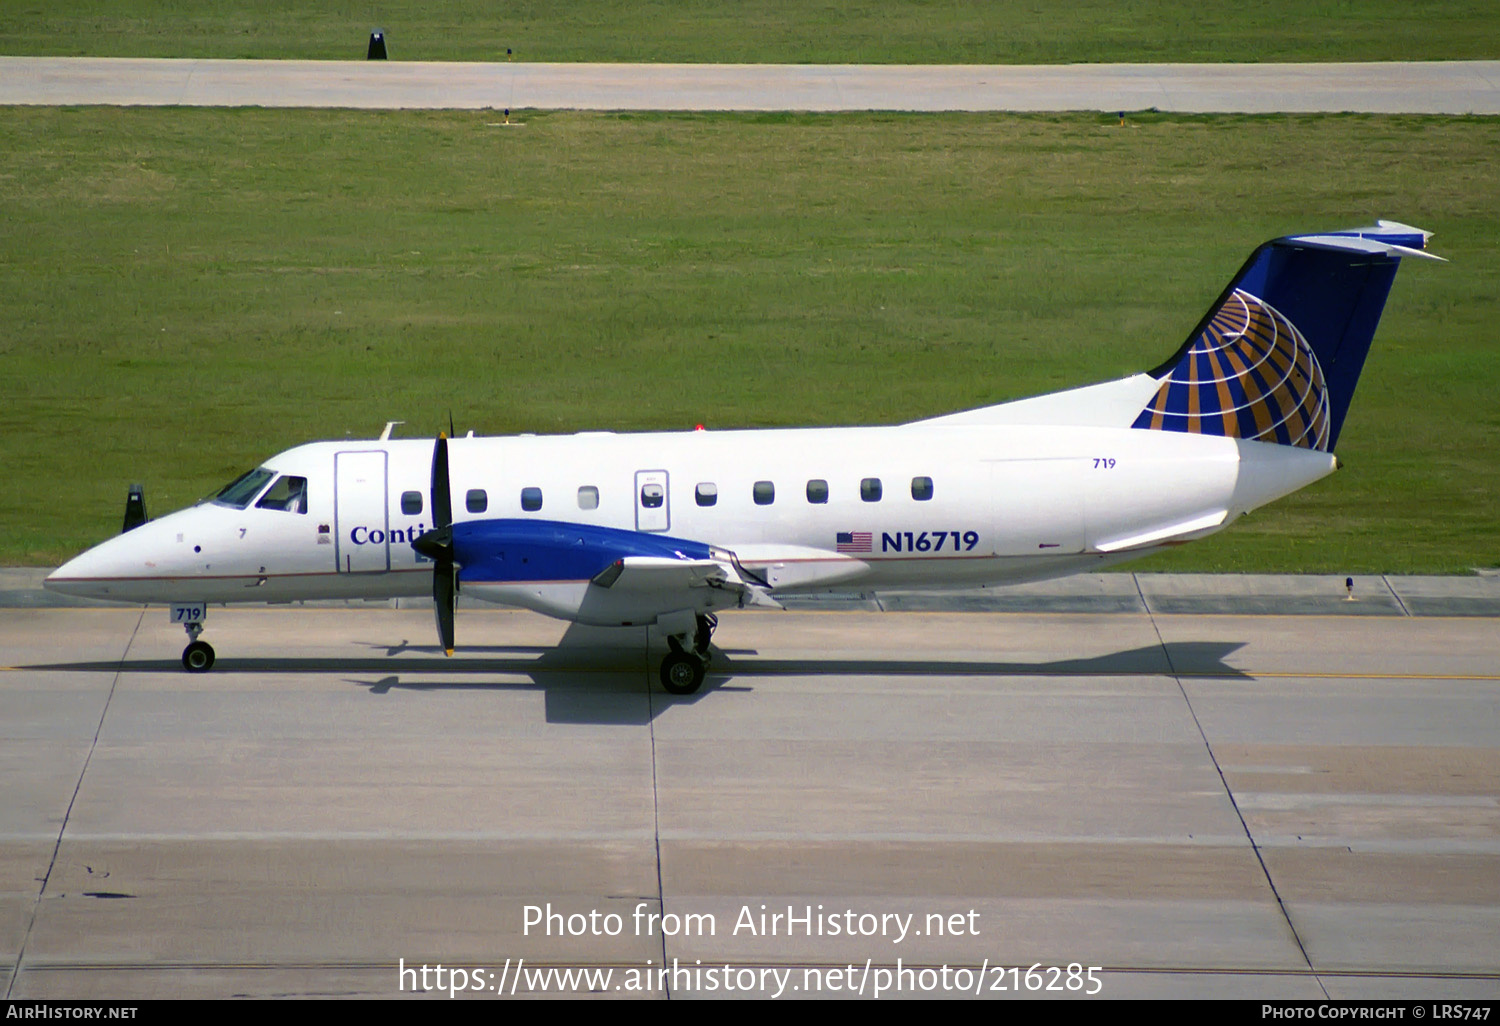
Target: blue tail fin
x,y
1277,357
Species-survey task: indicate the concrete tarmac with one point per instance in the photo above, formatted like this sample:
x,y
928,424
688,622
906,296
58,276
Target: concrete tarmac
x,y
1200,805
1437,87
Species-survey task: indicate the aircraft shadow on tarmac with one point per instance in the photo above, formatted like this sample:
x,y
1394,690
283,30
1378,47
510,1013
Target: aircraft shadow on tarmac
x,y
597,685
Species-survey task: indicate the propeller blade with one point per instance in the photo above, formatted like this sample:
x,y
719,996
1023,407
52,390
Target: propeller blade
x,y
437,545
443,599
442,499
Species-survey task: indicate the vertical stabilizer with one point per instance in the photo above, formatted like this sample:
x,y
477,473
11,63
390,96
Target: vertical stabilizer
x,y
1277,357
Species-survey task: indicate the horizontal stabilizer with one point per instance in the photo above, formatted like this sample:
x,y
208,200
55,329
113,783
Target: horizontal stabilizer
x,y
1391,237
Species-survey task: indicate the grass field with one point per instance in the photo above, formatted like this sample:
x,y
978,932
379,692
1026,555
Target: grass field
x,y
185,292
765,31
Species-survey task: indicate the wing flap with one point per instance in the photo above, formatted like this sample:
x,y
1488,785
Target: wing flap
x,y
654,573
658,576
789,567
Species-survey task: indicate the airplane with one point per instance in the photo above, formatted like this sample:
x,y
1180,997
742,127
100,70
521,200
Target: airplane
x,y
668,529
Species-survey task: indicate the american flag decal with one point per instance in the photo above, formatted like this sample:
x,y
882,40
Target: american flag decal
x,y
853,541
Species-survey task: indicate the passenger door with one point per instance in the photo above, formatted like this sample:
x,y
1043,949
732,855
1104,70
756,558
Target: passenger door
x,y
361,519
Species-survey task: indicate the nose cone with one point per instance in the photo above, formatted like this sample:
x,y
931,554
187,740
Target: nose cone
x,y
127,567
99,572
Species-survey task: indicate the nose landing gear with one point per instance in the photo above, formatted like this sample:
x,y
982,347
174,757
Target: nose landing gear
x,y
682,671
198,657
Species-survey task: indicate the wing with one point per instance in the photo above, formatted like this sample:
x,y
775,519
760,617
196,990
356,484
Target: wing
x,y
599,575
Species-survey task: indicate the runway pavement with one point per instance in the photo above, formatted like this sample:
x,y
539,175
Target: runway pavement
x,y
1270,806
1438,87
1476,594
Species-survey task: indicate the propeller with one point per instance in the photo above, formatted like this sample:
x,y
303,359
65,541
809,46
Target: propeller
x,y
437,545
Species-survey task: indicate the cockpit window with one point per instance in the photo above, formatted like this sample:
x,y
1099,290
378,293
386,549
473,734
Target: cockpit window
x,y
238,493
288,493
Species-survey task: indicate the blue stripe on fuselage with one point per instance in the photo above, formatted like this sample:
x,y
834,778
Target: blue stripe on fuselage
x,y
552,550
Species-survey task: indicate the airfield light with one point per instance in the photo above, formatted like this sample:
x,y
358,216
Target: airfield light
x,y
377,46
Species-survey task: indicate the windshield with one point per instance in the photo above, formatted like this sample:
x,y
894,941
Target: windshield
x,y
238,493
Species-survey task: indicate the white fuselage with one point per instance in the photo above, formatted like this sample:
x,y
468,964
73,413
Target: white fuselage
x,y
1005,502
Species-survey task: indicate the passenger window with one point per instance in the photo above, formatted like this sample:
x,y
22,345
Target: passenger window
x,y
765,493
288,494
476,501
707,493
869,489
653,496
588,497
817,491
531,499
921,488
411,503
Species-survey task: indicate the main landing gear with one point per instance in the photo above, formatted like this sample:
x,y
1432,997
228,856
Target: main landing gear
x,y
682,671
198,657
